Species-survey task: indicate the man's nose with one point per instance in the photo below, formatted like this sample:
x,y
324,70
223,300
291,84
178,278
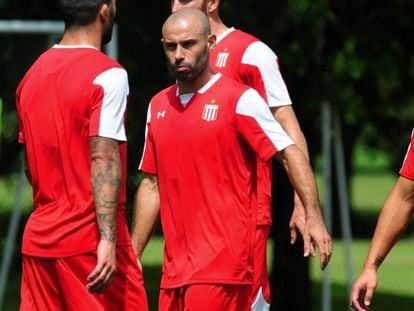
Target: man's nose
x,y
179,53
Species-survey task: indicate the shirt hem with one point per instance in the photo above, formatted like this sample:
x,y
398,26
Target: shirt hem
x,y
171,285
408,176
279,104
70,253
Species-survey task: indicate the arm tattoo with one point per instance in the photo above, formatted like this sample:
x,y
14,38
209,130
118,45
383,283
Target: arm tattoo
x,y
106,182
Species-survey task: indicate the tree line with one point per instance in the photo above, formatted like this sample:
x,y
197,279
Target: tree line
x,y
356,55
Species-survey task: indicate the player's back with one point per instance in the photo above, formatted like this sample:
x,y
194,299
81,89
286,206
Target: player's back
x,y
57,102
54,104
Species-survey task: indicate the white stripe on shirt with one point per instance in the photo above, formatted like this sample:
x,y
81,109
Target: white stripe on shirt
x,y
251,104
261,56
115,85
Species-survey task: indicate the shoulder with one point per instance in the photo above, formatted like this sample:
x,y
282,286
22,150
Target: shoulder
x,y
165,95
258,51
244,36
253,49
112,78
102,62
231,87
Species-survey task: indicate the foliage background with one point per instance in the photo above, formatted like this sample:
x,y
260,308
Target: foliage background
x,y
356,55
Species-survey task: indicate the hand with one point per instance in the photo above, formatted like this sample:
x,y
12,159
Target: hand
x,y
297,224
319,236
104,272
363,290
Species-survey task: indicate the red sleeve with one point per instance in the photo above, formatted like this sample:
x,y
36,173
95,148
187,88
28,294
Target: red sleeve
x,y
22,139
407,169
148,162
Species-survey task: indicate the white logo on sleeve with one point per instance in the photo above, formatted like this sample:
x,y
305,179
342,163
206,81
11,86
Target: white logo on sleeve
x,y
222,60
210,112
161,114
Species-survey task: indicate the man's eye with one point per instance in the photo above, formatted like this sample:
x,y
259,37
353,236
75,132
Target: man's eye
x,y
188,44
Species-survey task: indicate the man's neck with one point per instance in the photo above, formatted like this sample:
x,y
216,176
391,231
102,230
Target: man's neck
x,y
186,87
82,36
217,26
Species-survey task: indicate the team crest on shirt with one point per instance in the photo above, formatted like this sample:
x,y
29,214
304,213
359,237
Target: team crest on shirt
x,y
210,112
221,60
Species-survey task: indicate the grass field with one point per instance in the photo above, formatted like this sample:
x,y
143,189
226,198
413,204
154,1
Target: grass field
x,y
395,288
396,275
368,192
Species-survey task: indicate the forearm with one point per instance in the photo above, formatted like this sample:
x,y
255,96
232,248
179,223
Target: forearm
x,y
106,174
301,177
394,218
285,115
287,119
146,213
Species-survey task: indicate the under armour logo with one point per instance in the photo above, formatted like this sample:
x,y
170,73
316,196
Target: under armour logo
x,y
222,60
161,114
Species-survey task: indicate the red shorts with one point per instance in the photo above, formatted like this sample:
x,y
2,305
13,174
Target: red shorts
x,y
260,294
60,284
205,297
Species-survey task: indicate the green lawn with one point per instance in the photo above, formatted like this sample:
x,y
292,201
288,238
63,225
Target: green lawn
x,y
395,288
396,275
368,192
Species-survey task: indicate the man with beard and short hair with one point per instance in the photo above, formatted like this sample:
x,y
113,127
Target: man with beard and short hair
x,y
203,136
245,58
77,252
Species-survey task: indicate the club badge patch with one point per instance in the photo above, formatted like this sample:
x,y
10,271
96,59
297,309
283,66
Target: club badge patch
x,y
210,112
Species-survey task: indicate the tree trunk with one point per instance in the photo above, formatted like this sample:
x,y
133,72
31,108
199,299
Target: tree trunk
x,y
289,280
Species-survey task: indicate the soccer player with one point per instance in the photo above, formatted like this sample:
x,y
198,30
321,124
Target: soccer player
x,y
393,219
203,136
77,253
246,59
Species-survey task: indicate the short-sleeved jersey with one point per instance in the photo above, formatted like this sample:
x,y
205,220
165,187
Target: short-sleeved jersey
x,y
69,95
407,169
204,155
246,59
243,57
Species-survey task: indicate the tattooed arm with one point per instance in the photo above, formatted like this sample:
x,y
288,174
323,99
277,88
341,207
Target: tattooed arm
x,y
106,183
394,217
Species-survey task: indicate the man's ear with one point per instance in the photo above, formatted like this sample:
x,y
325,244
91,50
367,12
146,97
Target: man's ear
x,y
211,41
105,13
212,6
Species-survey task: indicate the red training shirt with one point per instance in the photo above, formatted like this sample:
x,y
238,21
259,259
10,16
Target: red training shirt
x,y
204,155
243,57
69,94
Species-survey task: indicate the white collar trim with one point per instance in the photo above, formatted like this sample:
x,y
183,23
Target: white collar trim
x,y
224,34
59,46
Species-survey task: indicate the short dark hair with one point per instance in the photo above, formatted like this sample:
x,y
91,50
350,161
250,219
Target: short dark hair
x,y
80,12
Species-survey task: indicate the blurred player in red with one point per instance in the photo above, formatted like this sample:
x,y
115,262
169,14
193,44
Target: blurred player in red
x,y
243,57
394,218
203,137
77,253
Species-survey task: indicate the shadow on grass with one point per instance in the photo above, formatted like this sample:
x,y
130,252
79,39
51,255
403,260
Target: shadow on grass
x,y
152,278
381,302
